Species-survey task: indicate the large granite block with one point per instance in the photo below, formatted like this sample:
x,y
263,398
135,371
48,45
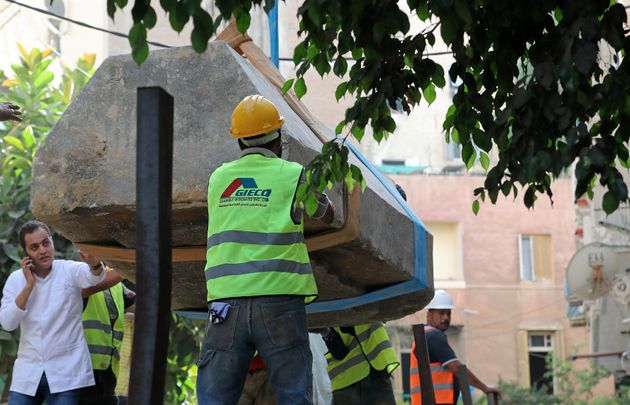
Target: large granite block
x,y
84,186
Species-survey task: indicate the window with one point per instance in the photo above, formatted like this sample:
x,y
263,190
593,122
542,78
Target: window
x,y
447,250
534,343
393,162
535,257
453,150
539,346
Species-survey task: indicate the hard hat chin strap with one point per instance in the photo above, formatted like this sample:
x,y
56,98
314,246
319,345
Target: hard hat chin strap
x,y
260,140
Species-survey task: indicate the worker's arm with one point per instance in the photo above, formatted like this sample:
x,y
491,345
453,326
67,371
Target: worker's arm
x,y
334,343
453,367
325,211
15,295
111,279
10,111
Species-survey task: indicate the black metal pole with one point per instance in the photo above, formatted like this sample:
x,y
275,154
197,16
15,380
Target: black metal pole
x,y
493,398
154,177
424,366
464,386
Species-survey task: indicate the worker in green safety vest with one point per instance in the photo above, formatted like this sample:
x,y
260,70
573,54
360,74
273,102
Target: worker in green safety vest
x,y
258,273
103,326
360,362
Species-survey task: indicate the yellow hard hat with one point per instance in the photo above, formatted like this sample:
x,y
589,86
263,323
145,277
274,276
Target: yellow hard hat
x,y
253,116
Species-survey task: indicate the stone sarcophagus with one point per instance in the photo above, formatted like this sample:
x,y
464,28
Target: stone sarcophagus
x,y
373,263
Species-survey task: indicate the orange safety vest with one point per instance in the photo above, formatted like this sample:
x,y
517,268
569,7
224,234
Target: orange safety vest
x,y
443,380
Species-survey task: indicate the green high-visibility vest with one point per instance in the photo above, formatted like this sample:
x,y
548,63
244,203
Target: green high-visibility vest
x,y
254,247
369,348
104,342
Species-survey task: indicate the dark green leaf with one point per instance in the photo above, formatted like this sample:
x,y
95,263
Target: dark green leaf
x,y
140,54
178,17
462,10
311,205
111,8
610,203
137,35
243,20
429,93
287,86
475,207
300,87
485,161
341,90
199,40
150,18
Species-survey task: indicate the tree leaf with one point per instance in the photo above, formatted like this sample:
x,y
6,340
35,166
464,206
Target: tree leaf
x,y
242,21
310,204
341,90
11,140
300,87
287,86
429,93
485,161
475,207
150,18
140,54
610,203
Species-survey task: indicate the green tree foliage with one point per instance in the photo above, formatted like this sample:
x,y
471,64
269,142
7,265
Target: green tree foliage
x,y
32,86
181,367
43,100
574,386
544,86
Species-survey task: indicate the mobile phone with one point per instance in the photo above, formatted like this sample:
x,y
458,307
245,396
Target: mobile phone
x,y
30,266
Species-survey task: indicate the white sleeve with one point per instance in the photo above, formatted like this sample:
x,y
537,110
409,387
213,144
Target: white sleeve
x,y
10,313
80,274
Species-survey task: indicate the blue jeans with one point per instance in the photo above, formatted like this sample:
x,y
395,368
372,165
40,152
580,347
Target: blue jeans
x,y
273,325
42,394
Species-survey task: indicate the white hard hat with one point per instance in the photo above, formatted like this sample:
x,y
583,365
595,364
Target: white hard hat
x,y
441,300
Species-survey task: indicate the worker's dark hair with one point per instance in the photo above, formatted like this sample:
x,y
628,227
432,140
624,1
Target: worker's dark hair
x,y
30,227
402,192
269,145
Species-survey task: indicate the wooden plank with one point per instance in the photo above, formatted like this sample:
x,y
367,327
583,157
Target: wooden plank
x,y
232,36
348,232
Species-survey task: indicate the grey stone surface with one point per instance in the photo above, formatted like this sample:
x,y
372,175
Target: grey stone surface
x,y
84,177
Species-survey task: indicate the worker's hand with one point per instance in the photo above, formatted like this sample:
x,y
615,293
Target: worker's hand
x,y
321,331
495,390
27,265
89,259
9,111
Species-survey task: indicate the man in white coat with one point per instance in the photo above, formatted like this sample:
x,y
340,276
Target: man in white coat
x,y
44,300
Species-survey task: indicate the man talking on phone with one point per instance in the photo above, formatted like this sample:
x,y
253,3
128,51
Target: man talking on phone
x,y
44,300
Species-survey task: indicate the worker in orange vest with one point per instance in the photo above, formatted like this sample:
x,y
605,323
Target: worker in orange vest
x,y
444,362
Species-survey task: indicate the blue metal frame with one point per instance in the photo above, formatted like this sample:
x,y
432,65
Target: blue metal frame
x,y
419,280
273,35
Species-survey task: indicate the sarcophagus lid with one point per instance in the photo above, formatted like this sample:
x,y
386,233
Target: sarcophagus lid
x,y
373,264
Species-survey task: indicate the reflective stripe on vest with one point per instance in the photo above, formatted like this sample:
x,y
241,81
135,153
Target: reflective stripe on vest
x,y
443,380
253,246
104,343
370,348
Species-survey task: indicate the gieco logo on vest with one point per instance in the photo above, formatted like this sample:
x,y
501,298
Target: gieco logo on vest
x,y
244,191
